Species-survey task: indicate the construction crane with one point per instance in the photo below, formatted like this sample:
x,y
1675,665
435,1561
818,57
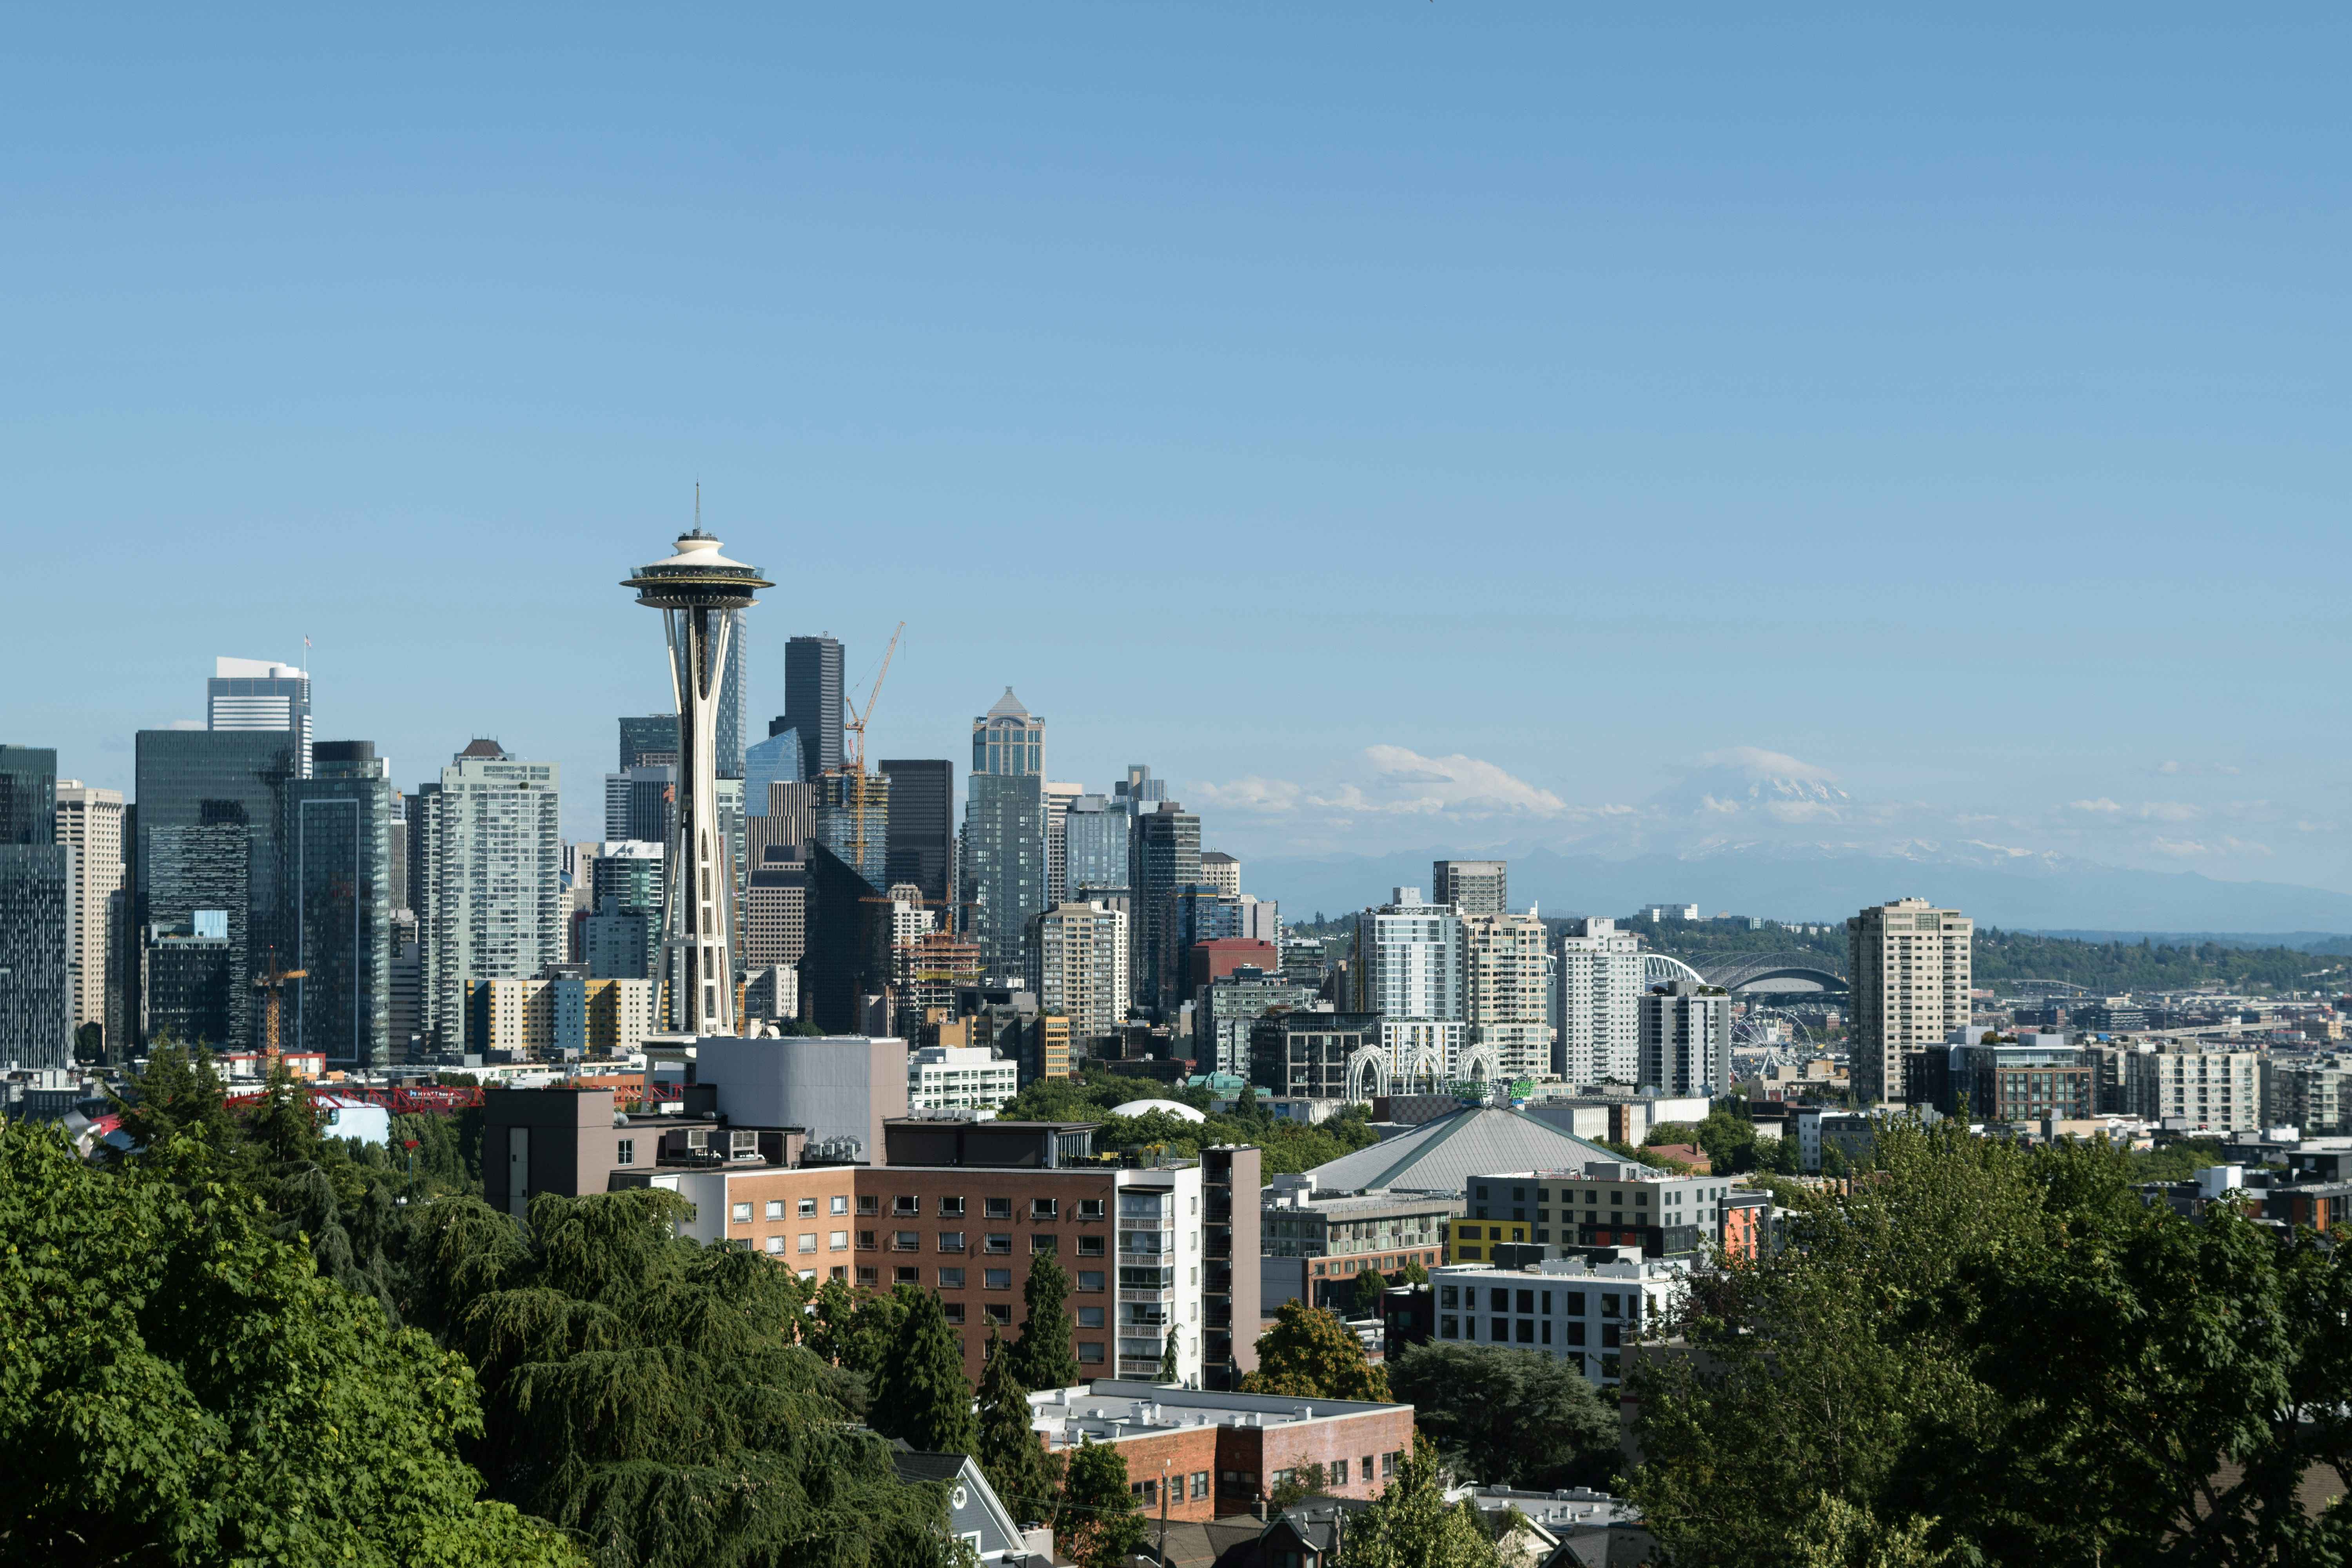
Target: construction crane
x,y
271,984
853,742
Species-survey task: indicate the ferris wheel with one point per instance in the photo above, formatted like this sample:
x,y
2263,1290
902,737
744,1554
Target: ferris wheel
x,y
1773,1028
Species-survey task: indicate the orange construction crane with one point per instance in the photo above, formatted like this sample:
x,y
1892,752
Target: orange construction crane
x,y
853,746
271,984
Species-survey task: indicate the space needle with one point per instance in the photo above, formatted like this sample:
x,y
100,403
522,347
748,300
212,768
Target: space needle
x,y
695,590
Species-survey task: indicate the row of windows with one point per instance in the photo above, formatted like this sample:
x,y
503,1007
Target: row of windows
x,y
1531,1331
907,1204
1499,1300
1088,1280
999,1242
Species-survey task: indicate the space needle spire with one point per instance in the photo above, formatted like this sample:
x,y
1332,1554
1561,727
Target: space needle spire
x,y
696,590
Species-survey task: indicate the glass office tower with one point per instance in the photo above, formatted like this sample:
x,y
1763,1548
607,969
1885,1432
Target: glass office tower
x,y
338,904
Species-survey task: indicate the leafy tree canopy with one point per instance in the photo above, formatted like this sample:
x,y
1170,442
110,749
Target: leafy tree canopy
x,y
1311,1354
1410,1524
1998,1355
1287,1146
1508,1417
179,1385
1098,1526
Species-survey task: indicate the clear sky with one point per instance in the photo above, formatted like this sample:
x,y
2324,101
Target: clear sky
x,y
1400,425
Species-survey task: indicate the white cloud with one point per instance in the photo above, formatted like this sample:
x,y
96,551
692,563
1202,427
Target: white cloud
x,y
1261,795
2102,806
2178,769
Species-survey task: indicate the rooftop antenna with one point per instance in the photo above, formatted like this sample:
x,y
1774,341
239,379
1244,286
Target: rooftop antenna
x,y
698,505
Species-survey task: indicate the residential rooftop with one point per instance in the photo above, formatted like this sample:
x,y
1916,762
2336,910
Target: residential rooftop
x,y
1109,1409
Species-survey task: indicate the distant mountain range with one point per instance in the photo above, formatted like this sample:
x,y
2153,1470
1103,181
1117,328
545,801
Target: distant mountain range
x,y
2046,892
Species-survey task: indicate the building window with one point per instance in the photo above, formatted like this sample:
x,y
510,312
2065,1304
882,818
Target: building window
x,y
1043,1208
775,1244
1090,1280
996,1278
1527,1331
841,1203
1090,1246
864,1241
775,1208
1000,1313
741,1214
950,1208
905,1241
951,1278
1042,1243
624,1152
951,1241
1090,1351
867,1274
1091,1317
1389,1464
838,1241
1364,1469
1446,1296
808,1241
906,1276
1200,1485
1448,1327
998,1208
1090,1209
865,1202
838,1272
997,1241
1501,1331
807,1208
1576,1333
905,1203
1338,1476
954,1310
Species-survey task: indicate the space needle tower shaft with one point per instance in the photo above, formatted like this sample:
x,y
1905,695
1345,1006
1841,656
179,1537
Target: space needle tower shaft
x,y
697,590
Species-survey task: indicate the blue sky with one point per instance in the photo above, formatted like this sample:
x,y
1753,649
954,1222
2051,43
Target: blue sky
x,y
1402,426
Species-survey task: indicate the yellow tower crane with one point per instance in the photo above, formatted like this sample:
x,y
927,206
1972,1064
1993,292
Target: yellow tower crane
x,y
853,742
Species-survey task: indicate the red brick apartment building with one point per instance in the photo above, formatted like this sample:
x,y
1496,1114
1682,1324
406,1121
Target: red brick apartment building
x,y
1224,1453
963,1208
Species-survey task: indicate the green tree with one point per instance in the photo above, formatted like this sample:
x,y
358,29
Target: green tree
x,y
1026,1478
1311,1354
1044,1356
1414,1272
1410,1524
644,1392
1168,1373
1508,1417
1294,1486
921,1396
1097,1525
1369,1285
179,1093
179,1386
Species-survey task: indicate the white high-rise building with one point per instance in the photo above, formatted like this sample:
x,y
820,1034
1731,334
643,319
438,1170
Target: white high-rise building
x,y
1686,1040
257,694
1080,966
1408,959
1598,985
1507,992
960,1077
1221,871
90,821
1911,967
490,857
1059,799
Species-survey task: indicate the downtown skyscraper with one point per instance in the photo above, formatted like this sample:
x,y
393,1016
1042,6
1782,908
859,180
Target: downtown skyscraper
x,y
1004,835
36,929
488,848
338,904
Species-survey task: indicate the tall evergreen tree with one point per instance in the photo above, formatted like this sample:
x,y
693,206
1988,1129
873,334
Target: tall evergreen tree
x,y
1026,1478
1098,1526
1048,1358
921,1396
1168,1373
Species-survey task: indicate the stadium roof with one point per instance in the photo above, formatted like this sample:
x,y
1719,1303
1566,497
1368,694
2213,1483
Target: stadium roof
x,y
1440,1156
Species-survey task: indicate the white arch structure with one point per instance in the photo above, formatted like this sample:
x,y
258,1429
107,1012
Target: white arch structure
x,y
1481,1064
1658,969
1368,1068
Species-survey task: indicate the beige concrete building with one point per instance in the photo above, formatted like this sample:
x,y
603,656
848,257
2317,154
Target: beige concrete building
x,y
90,821
1507,993
1909,965
1473,887
1081,969
1223,872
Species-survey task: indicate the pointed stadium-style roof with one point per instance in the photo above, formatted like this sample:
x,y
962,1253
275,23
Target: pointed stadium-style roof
x,y
1008,707
1440,1156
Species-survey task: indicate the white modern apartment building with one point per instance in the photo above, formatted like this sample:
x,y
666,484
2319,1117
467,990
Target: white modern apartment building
x,y
1911,966
89,821
489,850
2219,1089
960,1077
1506,991
1686,1040
1599,986
1571,1308
1079,968
1408,959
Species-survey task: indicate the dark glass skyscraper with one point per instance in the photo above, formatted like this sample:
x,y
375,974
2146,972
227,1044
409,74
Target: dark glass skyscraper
x,y
813,701
338,904
1167,857
37,926
923,825
216,779
650,741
